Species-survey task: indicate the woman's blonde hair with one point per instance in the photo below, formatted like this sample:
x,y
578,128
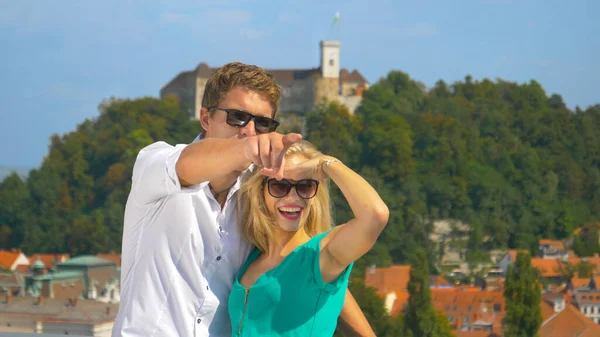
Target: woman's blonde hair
x,y
258,225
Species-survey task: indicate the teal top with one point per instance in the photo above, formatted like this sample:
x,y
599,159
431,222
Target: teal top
x,y
289,300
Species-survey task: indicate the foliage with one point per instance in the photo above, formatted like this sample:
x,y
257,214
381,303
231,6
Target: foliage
x,y
74,202
523,294
502,157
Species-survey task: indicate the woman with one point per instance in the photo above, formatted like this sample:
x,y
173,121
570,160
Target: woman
x,y
294,283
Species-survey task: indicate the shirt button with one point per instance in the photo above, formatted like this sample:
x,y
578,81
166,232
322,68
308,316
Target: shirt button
x,y
199,320
218,258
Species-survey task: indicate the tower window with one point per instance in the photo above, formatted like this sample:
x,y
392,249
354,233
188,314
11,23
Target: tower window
x,y
331,62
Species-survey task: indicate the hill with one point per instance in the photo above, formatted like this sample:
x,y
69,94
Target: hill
x,y
5,171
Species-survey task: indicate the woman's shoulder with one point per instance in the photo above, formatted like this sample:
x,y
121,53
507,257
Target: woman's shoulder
x,y
314,243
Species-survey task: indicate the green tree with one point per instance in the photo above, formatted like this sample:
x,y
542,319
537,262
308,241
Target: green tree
x,y
74,201
586,244
15,209
372,307
522,294
333,130
420,318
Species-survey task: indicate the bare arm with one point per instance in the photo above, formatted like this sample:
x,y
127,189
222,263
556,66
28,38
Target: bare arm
x,y
348,242
352,320
214,158
209,159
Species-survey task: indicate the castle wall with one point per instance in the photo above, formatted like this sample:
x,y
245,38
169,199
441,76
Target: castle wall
x,y
184,87
297,96
325,88
352,102
200,84
349,88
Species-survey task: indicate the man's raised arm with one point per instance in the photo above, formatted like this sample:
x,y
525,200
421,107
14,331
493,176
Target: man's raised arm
x,y
214,158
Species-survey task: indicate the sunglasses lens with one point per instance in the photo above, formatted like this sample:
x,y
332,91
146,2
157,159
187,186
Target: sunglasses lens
x,y
279,189
307,188
264,125
237,118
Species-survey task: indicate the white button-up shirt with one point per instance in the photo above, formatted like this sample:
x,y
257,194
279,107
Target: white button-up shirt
x,y
180,252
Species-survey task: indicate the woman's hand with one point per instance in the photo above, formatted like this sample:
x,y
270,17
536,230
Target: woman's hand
x,y
312,168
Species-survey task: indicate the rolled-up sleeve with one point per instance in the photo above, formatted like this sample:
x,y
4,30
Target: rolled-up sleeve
x,y
154,174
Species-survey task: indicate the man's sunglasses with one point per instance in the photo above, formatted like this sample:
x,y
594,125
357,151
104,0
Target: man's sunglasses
x,y
306,188
239,119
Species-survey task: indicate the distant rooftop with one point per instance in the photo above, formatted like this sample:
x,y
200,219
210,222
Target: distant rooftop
x,y
86,261
59,275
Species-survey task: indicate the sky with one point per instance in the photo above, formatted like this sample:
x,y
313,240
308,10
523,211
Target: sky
x,y
60,59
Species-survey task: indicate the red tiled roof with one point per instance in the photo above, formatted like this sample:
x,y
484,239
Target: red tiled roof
x,y
549,267
579,282
476,305
394,278
49,260
555,244
8,258
547,310
569,322
354,76
437,280
399,303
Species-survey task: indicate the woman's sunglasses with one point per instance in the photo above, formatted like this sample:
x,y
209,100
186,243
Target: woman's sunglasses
x,y
305,188
239,119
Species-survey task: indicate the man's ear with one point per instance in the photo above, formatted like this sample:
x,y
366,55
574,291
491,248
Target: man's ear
x,y
204,118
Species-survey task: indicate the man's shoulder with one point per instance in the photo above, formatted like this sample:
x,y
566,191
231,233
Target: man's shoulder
x,y
158,145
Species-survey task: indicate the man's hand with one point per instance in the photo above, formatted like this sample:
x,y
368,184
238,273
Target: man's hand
x,y
268,151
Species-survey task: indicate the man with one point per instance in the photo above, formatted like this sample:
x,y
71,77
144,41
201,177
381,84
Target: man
x,y
181,245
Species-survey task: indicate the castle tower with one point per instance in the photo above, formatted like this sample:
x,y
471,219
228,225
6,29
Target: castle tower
x,y
330,59
327,86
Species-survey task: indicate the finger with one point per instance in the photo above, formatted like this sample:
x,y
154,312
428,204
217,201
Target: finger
x,y
290,139
252,152
268,172
280,171
285,142
276,149
265,152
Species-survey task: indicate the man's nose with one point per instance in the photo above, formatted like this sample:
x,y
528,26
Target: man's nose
x,y
249,129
